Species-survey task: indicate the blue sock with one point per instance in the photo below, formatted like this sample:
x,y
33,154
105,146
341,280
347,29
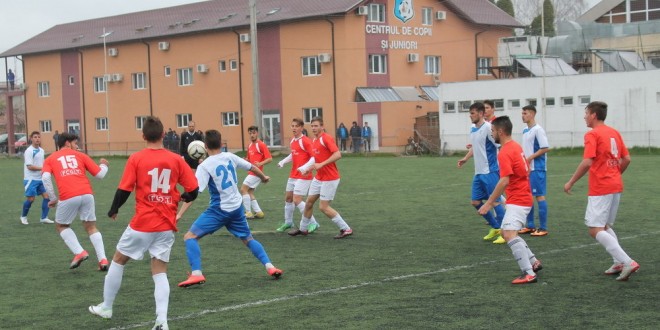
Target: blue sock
x,y
26,208
499,214
530,217
489,217
194,254
258,251
543,214
44,208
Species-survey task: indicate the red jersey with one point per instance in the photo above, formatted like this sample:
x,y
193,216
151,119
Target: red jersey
x,y
513,164
154,174
257,152
301,152
68,166
605,147
323,147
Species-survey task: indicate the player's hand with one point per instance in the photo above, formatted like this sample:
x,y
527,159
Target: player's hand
x,y
52,203
484,208
468,146
280,165
567,188
317,166
265,179
461,162
178,217
104,161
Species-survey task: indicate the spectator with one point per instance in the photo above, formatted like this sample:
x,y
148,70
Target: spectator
x,y
356,137
342,136
366,136
10,79
56,137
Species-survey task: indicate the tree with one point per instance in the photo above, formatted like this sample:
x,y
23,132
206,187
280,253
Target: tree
x,y
548,18
507,7
527,10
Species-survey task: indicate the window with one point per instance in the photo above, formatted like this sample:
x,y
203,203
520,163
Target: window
x,y
102,124
514,104
531,102
139,80
72,81
499,104
464,106
376,13
139,122
449,107
182,119
184,77
233,65
431,64
222,65
43,88
100,84
310,66
567,101
309,113
378,63
483,63
427,16
584,99
549,101
230,119
167,70
45,126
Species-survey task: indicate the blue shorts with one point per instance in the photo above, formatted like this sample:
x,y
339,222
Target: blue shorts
x,y
214,218
33,188
483,185
537,182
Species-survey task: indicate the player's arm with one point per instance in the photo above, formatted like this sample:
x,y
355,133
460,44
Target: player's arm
x,y
623,165
103,164
285,161
333,158
495,196
33,167
264,178
464,160
307,166
120,198
537,154
50,189
581,170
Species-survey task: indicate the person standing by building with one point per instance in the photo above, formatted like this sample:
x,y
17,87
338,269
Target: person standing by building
x,y
325,183
68,166
605,158
32,183
186,137
535,145
10,79
56,137
489,111
356,137
514,179
297,186
342,135
484,150
366,136
258,155
218,173
154,174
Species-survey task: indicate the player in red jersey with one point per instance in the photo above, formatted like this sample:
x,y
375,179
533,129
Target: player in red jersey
x,y
325,183
297,186
258,155
514,180
153,173
605,158
68,166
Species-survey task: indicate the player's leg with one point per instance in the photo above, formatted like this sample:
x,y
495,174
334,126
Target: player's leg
x,y
160,256
207,223
64,215
312,197
246,198
88,217
45,209
289,206
479,193
300,190
328,191
258,213
514,220
30,193
538,183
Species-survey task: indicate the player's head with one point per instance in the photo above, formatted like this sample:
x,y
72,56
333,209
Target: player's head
x,y
528,113
67,139
152,129
595,110
35,138
317,125
501,127
191,126
477,110
213,139
297,126
253,131
489,108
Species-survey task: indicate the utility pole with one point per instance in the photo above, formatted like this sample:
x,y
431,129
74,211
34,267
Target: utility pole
x,y
255,65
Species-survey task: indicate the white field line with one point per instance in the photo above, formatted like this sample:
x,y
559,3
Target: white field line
x,y
360,285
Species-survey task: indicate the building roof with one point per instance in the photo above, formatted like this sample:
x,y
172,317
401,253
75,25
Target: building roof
x,y
598,10
215,15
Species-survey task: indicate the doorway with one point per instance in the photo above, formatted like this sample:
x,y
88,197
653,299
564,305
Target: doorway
x,y
272,135
372,120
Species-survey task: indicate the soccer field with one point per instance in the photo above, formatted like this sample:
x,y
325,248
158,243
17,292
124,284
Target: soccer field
x,y
416,259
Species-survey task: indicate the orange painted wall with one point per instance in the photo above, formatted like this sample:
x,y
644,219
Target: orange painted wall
x,y
37,69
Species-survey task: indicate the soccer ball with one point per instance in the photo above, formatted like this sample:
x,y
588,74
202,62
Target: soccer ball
x,y
196,150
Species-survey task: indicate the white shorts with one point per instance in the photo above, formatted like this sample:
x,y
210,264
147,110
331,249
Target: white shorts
x,y
82,205
134,244
300,187
326,189
601,210
515,217
252,181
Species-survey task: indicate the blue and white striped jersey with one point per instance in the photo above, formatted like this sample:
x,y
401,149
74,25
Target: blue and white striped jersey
x,y
484,149
534,138
218,173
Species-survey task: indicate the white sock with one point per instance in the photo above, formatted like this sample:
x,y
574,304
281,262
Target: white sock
x,y
304,223
97,242
301,207
255,206
610,231
197,272
112,283
288,213
162,296
530,255
71,240
246,203
612,247
519,249
269,265
340,222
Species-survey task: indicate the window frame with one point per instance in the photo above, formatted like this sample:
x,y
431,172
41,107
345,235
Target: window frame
x,y
222,65
427,16
100,84
449,107
481,69
139,122
45,126
380,64
167,71
431,62
310,113
376,13
581,99
233,65
43,88
139,80
230,118
182,119
102,123
310,66
184,77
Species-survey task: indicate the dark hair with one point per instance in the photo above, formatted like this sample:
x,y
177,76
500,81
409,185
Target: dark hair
x,y
478,106
298,121
34,133
253,128
212,139
319,119
66,137
530,108
152,129
599,108
503,123
491,103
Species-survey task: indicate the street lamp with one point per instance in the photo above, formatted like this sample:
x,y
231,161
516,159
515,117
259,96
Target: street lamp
x,y
105,83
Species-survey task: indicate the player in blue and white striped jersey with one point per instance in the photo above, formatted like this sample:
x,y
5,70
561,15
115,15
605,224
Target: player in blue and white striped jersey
x,y
486,169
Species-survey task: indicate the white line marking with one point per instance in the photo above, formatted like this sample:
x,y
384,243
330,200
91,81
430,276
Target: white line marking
x,y
359,285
